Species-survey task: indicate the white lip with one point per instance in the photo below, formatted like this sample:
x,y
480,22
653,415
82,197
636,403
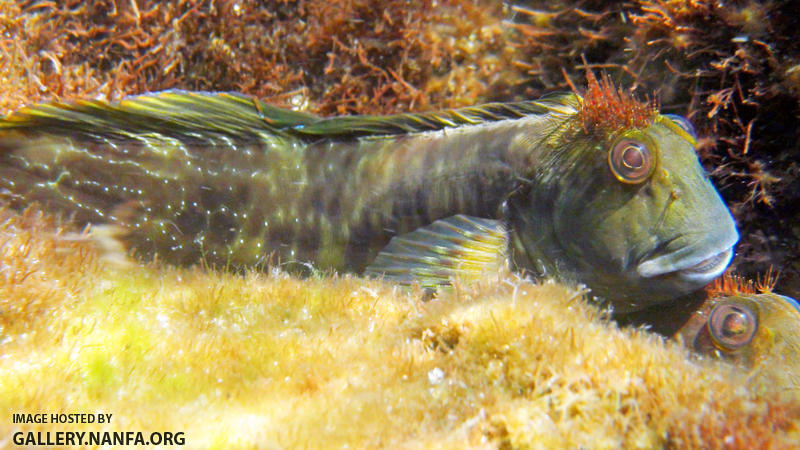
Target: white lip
x,y
708,269
700,267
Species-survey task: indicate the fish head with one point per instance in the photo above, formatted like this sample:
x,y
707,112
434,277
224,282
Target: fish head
x,y
645,224
759,332
620,202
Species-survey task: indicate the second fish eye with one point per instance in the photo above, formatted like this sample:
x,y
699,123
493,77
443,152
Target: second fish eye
x,y
732,326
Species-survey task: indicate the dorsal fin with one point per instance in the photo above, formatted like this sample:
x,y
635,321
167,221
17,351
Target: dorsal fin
x,y
173,113
187,114
563,103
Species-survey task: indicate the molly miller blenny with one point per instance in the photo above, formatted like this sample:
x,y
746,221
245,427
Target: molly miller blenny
x,y
600,189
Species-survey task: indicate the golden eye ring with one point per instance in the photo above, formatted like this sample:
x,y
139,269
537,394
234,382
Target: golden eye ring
x,y
630,161
732,326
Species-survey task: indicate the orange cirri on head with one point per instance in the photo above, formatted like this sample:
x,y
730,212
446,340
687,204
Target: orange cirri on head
x,y
609,109
730,284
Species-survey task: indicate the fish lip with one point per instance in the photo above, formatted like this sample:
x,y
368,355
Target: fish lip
x,y
695,266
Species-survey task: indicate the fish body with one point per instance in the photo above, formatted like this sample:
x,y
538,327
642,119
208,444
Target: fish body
x,y
598,189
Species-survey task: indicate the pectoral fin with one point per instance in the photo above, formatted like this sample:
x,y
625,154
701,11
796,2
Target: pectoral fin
x,y
462,247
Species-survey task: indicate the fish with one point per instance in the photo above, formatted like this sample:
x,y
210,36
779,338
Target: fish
x,y
599,189
748,325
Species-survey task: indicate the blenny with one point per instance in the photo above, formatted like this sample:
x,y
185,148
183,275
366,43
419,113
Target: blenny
x,y
752,327
599,189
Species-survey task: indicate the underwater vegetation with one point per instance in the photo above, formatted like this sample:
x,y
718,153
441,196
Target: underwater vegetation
x,y
341,57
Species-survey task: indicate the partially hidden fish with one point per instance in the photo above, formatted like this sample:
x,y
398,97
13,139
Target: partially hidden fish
x,y
600,189
752,327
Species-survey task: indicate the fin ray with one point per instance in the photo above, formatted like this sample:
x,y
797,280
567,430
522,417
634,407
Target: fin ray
x,y
457,246
184,114
171,113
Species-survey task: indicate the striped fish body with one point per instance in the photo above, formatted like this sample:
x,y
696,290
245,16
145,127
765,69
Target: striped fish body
x,y
562,186
228,180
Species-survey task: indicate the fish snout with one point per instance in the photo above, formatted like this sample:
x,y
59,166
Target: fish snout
x,y
696,263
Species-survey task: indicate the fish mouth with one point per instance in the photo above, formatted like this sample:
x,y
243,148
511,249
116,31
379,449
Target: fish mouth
x,y
697,267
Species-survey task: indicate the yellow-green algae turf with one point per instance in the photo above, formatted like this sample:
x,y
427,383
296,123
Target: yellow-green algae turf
x,y
269,360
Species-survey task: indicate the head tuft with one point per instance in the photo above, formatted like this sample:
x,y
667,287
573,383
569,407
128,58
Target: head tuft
x,y
609,109
729,284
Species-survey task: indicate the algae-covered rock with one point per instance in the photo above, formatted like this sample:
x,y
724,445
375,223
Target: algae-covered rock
x,y
269,360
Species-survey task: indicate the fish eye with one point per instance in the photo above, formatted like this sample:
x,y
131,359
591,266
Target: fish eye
x,y
630,161
732,326
684,123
